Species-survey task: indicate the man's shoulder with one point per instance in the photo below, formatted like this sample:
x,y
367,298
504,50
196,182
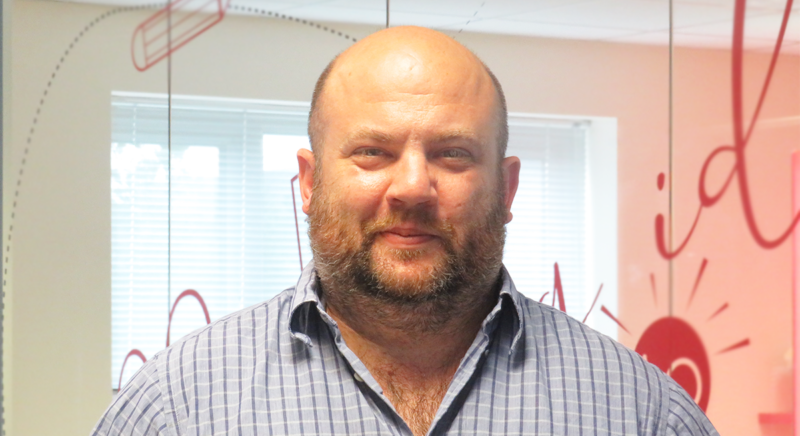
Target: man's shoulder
x,y
236,332
193,363
554,328
573,350
557,335
245,332
583,360
264,313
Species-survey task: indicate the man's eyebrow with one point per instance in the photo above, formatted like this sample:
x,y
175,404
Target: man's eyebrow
x,y
368,134
443,137
457,135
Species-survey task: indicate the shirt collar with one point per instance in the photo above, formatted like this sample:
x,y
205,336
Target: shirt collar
x,y
509,292
306,297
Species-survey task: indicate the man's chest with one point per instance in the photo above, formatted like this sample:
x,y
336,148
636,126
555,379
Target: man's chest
x,y
318,393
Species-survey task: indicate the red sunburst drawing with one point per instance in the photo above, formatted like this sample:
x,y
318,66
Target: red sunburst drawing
x,y
673,345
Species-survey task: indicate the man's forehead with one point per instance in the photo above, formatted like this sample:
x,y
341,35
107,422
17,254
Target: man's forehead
x,y
416,68
411,40
388,81
415,61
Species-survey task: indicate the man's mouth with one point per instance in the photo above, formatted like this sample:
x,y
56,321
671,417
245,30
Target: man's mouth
x,y
407,236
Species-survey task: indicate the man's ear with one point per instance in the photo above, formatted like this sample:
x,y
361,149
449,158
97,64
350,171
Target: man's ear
x,y
307,164
510,167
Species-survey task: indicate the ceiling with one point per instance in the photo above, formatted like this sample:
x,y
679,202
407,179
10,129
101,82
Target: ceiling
x,y
699,23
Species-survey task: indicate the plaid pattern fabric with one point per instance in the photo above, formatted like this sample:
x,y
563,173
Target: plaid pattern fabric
x,y
282,368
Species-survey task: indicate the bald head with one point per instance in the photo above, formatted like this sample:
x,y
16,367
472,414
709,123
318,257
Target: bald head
x,y
410,61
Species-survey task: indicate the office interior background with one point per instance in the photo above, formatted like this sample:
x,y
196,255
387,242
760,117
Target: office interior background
x,y
148,180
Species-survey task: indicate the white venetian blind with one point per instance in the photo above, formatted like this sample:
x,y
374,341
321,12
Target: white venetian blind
x,y
232,221
549,210
233,236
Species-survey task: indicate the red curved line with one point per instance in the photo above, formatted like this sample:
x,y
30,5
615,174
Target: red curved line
x,y
613,318
196,295
705,199
653,288
133,43
720,310
296,224
558,288
662,247
740,140
545,294
133,352
593,303
747,206
736,346
786,13
697,281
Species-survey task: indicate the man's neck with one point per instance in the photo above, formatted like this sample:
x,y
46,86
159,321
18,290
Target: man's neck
x,y
412,347
412,352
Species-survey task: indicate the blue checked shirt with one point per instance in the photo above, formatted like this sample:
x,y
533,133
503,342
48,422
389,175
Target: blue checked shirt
x,y
282,368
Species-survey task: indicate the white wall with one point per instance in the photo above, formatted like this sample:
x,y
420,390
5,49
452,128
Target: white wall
x,y
5,78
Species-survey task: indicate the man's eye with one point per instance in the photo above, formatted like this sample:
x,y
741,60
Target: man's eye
x,y
370,152
454,153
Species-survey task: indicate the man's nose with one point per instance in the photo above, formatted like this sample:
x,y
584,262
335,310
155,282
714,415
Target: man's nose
x,y
412,182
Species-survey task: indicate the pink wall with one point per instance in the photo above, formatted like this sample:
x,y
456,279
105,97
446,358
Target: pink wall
x,y
756,282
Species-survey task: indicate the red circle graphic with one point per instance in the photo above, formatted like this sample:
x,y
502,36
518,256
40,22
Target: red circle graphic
x,y
673,346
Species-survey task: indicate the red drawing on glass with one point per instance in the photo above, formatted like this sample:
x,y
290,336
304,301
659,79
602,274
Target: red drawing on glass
x,y
139,354
296,222
134,352
558,291
614,318
741,137
675,347
173,27
187,293
653,287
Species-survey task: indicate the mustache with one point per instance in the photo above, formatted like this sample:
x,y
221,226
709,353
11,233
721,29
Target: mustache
x,y
422,219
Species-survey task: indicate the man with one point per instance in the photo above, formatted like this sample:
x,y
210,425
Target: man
x,y
406,323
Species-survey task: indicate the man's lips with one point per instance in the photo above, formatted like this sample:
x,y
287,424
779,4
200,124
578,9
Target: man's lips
x,y
407,236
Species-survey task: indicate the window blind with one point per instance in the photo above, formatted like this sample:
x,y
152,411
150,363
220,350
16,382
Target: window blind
x,y
219,217
549,210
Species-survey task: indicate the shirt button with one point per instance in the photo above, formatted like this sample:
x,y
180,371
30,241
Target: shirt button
x,y
357,377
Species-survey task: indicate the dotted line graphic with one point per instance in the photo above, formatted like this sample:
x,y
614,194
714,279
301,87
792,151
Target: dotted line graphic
x,y
63,58
290,18
472,18
42,100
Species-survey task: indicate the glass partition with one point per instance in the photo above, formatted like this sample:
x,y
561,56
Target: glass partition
x,y
735,130
150,181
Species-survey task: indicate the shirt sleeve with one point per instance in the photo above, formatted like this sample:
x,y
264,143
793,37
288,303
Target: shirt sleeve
x,y
685,416
138,408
